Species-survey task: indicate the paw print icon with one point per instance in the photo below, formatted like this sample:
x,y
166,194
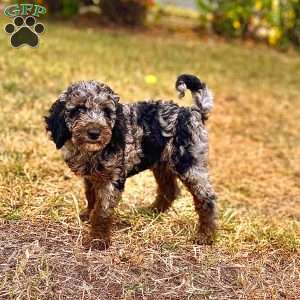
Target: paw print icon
x,y
24,31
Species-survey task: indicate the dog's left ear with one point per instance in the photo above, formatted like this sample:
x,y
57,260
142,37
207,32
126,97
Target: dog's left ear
x,y
56,124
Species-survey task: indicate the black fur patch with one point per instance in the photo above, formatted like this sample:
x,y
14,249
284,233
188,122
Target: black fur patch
x,y
117,142
56,124
153,142
192,82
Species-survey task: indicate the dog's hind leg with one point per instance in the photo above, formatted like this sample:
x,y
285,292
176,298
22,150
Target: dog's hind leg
x,y
90,197
167,189
197,181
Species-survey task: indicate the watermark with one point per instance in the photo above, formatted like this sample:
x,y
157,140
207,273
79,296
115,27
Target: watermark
x,y
24,29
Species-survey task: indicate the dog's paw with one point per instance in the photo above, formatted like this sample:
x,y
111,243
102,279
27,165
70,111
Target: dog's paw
x,y
85,215
204,238
94,243
203,241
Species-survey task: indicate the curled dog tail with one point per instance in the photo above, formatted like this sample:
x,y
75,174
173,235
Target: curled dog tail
x,y
202,96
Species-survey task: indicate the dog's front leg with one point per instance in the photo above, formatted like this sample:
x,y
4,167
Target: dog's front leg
x,y
90,195
101,217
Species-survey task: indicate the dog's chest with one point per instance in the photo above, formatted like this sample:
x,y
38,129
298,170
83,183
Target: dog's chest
x,y
76,161
84,164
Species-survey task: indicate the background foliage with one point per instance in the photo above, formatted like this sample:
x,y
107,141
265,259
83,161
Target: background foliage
x,y
128,12
276,21
124,12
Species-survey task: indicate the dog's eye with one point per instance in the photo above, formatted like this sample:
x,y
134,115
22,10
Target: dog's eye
x,y
107,112
75,111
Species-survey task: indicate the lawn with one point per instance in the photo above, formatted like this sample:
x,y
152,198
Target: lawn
x,y
254,162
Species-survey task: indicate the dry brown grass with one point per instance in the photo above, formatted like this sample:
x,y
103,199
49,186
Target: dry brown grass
x,y
46,261
255,151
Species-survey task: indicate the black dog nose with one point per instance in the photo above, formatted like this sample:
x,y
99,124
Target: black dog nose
x,y
93,133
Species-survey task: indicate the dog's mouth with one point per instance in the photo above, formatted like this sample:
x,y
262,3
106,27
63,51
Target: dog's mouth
x,y
87,144
93,142
92,146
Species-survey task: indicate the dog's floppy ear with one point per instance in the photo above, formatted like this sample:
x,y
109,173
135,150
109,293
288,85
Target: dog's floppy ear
x,y
56,124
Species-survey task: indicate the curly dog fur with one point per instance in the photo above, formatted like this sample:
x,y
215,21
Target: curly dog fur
x,y
106,142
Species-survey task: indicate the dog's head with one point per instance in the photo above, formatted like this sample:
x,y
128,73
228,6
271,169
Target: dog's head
x,y
85,114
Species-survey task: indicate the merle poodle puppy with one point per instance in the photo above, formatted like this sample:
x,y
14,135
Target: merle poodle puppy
x,y
106,142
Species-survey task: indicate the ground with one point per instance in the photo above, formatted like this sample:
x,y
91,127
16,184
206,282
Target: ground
x,y
254,162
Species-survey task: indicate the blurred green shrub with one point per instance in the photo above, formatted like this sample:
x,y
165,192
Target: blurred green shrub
x,y
276,21
64,8
70,7
126,12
